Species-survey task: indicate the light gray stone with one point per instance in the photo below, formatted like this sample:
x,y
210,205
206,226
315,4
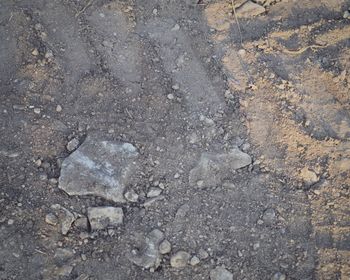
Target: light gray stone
x,y
105,217
213,167
154,191
72,144
66,218
148,255
220,273
180,259
100,168
250,9
165,247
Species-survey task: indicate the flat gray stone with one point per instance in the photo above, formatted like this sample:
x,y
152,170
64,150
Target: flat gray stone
x,y
220,273
213,167
100,168
105,217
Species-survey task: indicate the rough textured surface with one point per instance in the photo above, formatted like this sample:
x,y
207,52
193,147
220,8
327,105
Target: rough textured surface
x,y
105,217
148,255
184,82
213,167
100,168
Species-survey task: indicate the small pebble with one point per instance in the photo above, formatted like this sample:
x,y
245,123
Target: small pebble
x,y
203,254
10,222
72,144
131,196
180,259
175,28
279,276
194,261
170,96
175,87
58,108
37,110
83,257
35,52
51,219
154,191
165,247
220,273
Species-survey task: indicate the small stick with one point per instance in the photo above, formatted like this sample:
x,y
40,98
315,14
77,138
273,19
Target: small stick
x,y
236,19
83,9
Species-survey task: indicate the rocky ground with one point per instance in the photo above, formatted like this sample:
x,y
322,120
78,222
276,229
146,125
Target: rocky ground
x,y
174,139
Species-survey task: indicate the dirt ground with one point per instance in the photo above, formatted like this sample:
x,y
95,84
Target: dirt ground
x,y
238,117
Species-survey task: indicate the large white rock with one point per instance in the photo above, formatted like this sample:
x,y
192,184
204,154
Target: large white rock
x,y
100,168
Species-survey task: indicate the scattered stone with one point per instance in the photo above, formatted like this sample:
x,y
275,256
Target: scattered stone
x,y
83,257
107,44
49,54
279,276
170,96
175,87
180,259
131,196
153,192
38,162
194,261
176,176
81,223
72,145
37,111
212,167
152,200
66,218
309,176
63,254
250,9
148,255
65,270
105,217
176,27
269,216
51,219
242,52
220,273
10,222
346,14
58,108
203,254
165,247
100,168
35,52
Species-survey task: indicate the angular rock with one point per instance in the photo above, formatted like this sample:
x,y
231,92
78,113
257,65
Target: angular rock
x,y
250,9
154,192
180,259
220,273
148,256
105,217
66,218
131,196
212,167
100,168
72,144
